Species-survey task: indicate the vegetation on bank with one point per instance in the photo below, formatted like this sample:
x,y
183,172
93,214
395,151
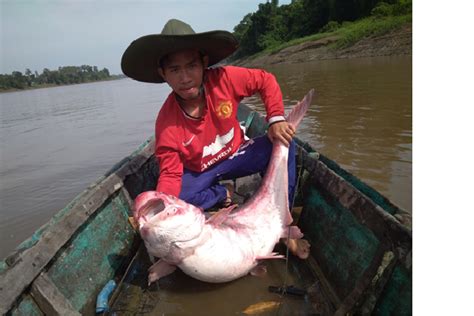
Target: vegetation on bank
x,y
348,33
274,27
62,76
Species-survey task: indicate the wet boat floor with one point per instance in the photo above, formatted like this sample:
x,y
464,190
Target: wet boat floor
x,y
179,294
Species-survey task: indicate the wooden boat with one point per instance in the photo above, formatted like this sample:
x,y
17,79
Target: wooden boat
x,y
360,259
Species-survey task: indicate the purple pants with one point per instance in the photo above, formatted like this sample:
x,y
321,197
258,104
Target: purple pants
x,y
202,188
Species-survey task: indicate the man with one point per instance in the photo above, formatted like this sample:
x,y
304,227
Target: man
x,y
198,137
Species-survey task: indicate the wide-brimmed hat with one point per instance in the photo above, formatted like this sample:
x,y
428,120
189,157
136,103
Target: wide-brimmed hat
x,y
140,60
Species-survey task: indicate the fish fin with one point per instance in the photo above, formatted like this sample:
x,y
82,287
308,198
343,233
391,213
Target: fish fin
x,y
293,232
299,110
273,255
259,270
158,270
133,222
220,216
299,247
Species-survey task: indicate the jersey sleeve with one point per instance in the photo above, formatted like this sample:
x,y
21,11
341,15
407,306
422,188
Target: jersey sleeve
x,y
246,82
171,171
169,160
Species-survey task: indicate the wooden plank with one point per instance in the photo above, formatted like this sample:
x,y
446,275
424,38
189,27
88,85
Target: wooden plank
x,y
370,275
128,198
135,163
15,279
326,285
378,283
383,225
29,263
49,298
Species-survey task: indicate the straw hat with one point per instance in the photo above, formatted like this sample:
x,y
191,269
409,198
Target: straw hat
x,y
140,60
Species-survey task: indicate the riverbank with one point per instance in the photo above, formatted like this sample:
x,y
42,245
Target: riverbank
x,y
359,39
52,85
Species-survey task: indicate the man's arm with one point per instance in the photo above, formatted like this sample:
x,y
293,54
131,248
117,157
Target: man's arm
x,y
167,156
171,171
247,82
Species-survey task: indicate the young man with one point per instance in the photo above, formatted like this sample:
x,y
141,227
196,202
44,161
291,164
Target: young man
x,y
198,137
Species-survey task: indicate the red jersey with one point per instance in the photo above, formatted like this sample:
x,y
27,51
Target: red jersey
x,y
197,144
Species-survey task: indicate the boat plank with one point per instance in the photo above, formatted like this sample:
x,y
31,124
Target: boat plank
x,y
359,291
50,299
31,262
97,252
379,282
382,224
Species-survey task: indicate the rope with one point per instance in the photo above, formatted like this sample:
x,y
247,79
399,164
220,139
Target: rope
x,y
285,279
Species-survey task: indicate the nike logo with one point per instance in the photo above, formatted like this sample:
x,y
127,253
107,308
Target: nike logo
x,y
185,144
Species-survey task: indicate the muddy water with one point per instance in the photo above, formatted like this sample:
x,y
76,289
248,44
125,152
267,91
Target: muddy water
x,y
55,141
361,117
178,294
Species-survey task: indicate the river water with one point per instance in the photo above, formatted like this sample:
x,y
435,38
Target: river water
x,y
56,141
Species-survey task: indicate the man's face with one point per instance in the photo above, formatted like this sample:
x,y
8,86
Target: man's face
x,y
183,71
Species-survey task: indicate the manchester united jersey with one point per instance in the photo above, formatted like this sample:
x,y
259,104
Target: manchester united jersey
x,y
200,143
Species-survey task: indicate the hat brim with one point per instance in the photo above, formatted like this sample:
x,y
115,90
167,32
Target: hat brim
x,y
140,59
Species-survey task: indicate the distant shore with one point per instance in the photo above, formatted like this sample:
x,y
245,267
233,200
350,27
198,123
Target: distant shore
x,y
113,77
396,41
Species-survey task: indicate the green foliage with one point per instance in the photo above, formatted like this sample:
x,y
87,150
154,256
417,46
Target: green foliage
x,y
272,27
330,27
64,75
371,26
382,9
348,32
402,7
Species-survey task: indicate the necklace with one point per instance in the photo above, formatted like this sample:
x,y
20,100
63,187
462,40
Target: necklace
x,y
192,108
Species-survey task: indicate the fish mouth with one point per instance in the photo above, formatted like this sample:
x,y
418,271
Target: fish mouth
x,y
151,208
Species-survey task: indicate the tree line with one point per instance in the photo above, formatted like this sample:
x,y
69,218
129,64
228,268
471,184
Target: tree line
x,y
272,25
61,76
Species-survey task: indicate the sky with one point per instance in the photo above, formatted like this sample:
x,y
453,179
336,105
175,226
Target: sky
x,y
39,34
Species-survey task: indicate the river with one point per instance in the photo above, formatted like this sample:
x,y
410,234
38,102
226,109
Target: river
x,y
55,141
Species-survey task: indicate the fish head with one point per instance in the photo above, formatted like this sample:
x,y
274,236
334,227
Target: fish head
x,y
164,219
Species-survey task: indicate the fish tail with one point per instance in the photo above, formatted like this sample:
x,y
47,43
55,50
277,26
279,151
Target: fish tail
x,y
298,112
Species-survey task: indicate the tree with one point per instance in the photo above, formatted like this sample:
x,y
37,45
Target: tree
x,y
64,75
17,80
272,24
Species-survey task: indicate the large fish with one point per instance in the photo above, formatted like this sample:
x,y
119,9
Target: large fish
x,y
229,244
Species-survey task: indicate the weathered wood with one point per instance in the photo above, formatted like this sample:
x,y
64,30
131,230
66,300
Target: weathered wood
x,y
126,274
378,283
371,275
381,223
137,161
16,278
29,262
317,298
49,298
127,198
326,285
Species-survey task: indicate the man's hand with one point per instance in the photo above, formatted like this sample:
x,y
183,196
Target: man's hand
x,y
282,131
